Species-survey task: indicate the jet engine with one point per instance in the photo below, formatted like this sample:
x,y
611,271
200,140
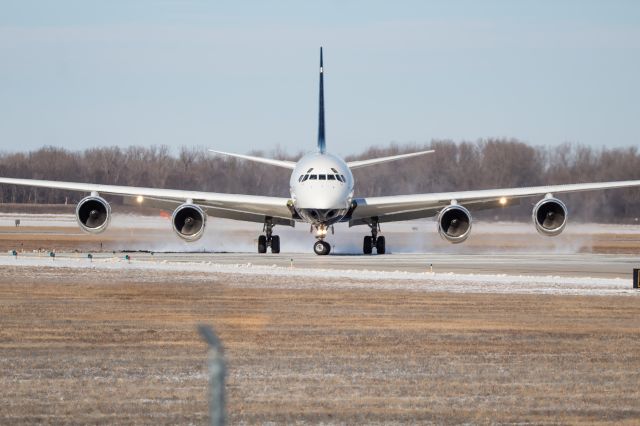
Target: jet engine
x,y
189,221
454,223
550,216
93,214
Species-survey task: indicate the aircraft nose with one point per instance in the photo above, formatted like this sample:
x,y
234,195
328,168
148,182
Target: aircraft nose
x,y
320,198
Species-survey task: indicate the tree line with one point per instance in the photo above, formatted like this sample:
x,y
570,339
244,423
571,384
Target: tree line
x,y
484,164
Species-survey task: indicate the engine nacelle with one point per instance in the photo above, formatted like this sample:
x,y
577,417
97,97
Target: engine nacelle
x,y
93,214
549,216
189,221
454,223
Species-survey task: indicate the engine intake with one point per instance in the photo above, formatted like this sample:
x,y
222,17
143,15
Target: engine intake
x,y
454,224
189,221
550,216
93,214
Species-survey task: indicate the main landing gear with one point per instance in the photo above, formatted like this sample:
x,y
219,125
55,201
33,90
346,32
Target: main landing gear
x,y
268,239
374,240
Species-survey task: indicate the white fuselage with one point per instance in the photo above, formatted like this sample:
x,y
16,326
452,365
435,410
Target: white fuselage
x,y
321,188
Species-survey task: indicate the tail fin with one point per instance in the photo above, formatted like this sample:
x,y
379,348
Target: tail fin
x,y
321,141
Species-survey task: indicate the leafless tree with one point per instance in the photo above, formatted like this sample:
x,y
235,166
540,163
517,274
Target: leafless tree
x,y
482,164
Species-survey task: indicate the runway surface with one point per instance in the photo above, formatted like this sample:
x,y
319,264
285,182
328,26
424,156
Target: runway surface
x,y
575,265
563,265
572,275
499,258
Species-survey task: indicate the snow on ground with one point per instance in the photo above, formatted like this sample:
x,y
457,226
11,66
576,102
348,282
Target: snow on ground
x,y
290,278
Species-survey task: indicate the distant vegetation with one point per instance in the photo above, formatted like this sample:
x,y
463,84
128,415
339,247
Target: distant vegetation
x,y
484,164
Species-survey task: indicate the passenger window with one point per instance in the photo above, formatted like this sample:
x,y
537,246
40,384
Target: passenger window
x,y
313,177
322,177
331,177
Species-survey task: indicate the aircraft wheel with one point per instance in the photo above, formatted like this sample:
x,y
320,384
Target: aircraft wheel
x,y
367,245
275,244
321,248
262,244
328,247
380,245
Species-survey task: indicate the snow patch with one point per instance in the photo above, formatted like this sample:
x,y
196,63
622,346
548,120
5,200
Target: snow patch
x,y
351,279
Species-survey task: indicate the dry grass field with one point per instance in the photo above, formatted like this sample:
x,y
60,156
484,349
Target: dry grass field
x,y
101,347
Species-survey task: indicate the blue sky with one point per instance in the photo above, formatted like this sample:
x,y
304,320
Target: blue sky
x,y
242,75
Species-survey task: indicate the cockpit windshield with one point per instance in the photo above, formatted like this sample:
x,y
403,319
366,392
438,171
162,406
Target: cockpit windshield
x,y
334,177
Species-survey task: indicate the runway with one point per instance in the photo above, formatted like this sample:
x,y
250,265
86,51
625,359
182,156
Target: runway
x,y
573,275
574,265
532,264
499,258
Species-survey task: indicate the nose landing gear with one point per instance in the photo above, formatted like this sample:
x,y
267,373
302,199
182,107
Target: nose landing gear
x,y
321,247
268,239
374,240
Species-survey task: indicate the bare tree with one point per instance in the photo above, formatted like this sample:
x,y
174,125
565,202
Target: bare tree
x,y
490,163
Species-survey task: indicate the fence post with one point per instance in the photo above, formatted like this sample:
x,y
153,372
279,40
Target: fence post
x,y
217,373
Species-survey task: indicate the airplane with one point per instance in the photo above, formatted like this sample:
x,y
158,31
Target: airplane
x,y
322,194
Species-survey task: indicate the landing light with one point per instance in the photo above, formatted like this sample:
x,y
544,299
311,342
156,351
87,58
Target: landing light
x,y
139,199
503,201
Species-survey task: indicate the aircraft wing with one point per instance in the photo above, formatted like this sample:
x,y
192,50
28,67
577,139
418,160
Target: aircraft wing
x,y
373,161
407,207
252,208
280,163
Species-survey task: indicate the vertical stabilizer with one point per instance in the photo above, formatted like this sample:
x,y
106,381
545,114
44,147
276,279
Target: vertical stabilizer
x,y
321,140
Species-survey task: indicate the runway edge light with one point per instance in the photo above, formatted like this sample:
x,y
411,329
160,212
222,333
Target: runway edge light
x,y
636,277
